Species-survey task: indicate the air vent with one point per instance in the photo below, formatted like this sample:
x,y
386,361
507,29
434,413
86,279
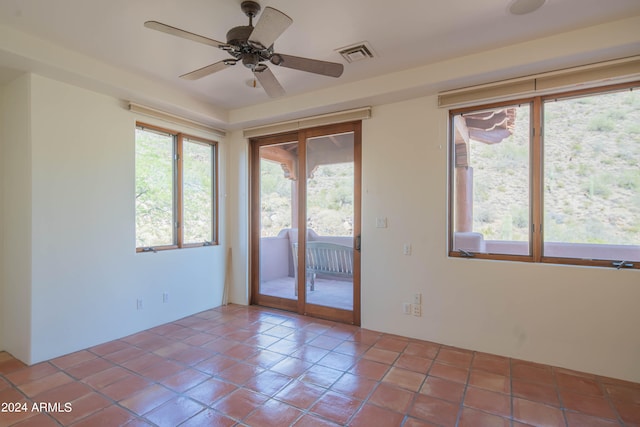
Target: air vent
x,y
356,52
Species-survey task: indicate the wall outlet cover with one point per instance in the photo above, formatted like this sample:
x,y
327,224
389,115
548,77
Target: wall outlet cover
x,y
416,310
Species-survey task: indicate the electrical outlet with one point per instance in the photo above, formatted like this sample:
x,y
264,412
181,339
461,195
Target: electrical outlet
x,y
406,308
381,222
417,298
416,310
139,304
165,297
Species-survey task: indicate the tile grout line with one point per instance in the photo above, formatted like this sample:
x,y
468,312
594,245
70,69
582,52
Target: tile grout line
x,y
511,395
27,398
378,382
157,382
464,391
563,409
247,322
117,402
417,393
291,380
328,389
609,400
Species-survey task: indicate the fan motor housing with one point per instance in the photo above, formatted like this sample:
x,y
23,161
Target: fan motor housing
x,y
239,35
251,54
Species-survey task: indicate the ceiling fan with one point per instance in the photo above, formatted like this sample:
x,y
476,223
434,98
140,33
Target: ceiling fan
x,y
253,46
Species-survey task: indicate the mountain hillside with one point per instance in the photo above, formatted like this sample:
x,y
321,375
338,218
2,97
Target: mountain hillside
x,y
591,183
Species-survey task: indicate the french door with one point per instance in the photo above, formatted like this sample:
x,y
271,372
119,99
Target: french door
x,y
305,222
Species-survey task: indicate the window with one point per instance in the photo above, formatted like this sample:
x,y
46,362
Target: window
x,y
552,178
175,190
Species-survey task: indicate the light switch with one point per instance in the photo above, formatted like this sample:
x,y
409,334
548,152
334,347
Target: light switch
x,y
381,222
406,249
417,299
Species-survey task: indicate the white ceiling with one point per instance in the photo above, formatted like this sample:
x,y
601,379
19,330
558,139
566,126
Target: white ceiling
x,y
403,33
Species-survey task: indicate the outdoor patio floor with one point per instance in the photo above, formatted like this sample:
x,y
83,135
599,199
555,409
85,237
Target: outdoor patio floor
x,y
329,293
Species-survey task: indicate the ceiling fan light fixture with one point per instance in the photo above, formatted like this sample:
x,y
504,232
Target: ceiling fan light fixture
x,y
250,60
523,7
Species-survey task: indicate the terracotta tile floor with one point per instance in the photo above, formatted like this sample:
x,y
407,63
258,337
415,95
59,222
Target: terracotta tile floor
x,y
251,366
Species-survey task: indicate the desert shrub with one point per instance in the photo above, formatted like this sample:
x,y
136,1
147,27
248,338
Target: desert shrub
x,y
601,124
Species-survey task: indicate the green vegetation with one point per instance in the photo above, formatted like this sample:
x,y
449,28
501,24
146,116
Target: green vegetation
x,y
155,198
500,184
154,189
197,172
329,199
601,124
275,199
591,177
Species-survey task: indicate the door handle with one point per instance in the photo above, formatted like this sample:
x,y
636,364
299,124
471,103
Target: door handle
x,y
358,243
622,264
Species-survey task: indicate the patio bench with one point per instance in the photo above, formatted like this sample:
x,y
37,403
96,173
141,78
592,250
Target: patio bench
x,y
327,259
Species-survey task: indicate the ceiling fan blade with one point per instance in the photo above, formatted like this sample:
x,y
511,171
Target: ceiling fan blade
x,y
209,69
272,23
159,26
269,82
331,69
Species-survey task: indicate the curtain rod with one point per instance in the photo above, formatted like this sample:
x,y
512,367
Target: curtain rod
x,y
308,122
172,118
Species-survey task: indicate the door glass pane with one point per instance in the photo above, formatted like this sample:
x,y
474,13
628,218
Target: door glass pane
x,y
491,181
154,188
330,216
278,220
592,177
197,172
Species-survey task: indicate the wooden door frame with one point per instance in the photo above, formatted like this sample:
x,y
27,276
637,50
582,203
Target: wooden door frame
x,y
300,305
254,221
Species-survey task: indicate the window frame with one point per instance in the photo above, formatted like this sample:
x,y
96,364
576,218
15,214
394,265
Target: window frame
x,y
178,200
536,176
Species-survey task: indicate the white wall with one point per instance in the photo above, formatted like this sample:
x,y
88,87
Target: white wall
x,y
86,275
238,216
16,219
577,317
2,268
